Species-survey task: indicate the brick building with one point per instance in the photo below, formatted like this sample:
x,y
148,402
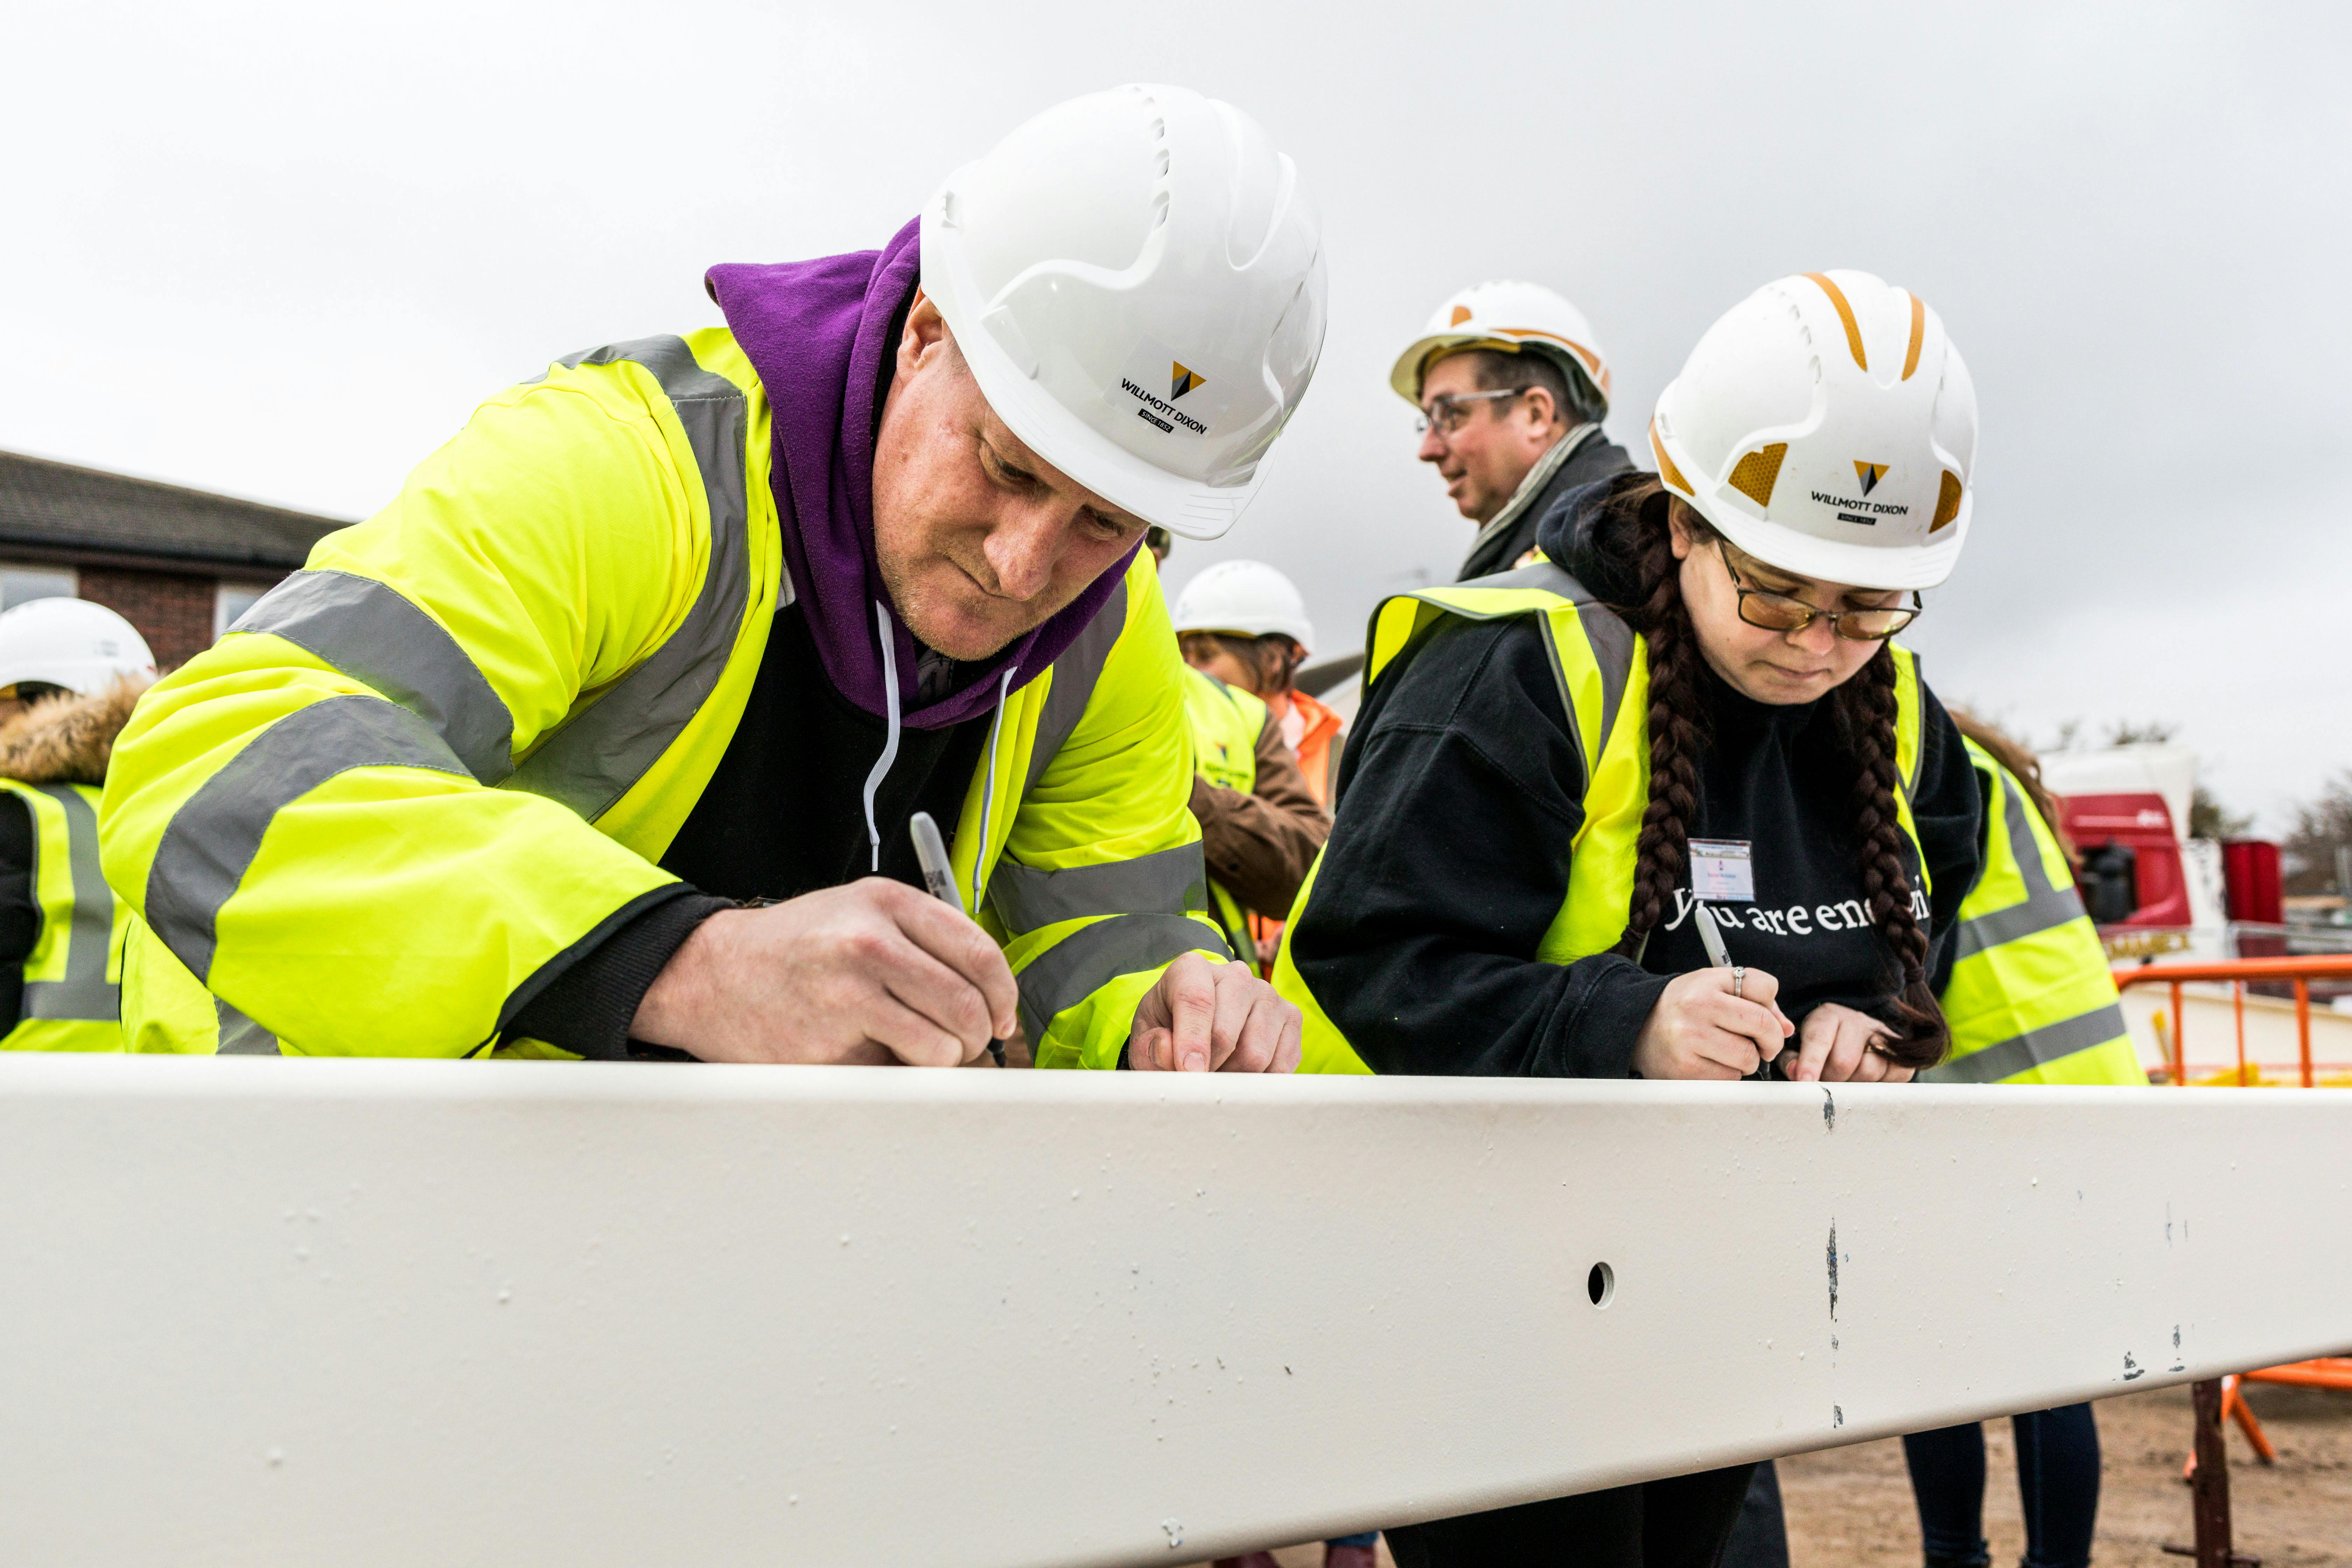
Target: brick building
x,y
179,564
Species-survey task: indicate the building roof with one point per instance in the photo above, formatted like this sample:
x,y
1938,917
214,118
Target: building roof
x,y
59,509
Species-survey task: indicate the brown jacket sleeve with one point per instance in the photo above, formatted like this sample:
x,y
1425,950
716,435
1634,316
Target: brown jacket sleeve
x,y
1261,844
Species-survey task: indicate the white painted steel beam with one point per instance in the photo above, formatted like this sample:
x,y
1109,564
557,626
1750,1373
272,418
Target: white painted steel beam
x,y
262,1312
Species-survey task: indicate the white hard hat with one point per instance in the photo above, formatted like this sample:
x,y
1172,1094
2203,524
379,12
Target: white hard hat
x,y
1137,282
70,643
1827,426
1513,318
1248,597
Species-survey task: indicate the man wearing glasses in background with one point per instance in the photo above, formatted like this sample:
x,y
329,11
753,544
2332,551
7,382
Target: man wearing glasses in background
x,y
1512,390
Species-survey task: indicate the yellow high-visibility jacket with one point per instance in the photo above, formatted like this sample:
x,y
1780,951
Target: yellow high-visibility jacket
x,y
1603,669
1225,724
2031,998
454,747
72,975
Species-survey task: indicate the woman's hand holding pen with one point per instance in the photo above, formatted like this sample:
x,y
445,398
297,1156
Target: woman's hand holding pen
x,y
1713,1023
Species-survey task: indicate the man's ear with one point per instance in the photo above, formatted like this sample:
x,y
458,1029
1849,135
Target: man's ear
x,y
927,331
1542,412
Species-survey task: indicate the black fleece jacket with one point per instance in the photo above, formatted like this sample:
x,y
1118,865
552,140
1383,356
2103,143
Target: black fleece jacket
x,y
1598,458
1460,798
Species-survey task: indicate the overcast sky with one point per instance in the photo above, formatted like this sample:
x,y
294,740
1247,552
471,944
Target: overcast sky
x,y
281,251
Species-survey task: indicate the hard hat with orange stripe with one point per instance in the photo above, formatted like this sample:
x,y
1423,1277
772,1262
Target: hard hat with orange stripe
x,y
1508,318
1827,426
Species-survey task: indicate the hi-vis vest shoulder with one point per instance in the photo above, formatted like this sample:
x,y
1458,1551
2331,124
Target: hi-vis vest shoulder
x,y
2031,998
1227,723
1603,669
71,978
454,747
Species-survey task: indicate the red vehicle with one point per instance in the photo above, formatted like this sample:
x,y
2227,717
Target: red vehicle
x,y
2150,887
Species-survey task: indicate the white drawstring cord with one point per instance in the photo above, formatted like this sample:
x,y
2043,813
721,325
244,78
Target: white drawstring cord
x,y
988,789
890,744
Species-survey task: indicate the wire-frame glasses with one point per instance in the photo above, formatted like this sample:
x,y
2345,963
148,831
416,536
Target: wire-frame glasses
x,y
1787,614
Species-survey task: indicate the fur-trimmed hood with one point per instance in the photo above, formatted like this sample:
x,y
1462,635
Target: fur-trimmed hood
x,y
68,738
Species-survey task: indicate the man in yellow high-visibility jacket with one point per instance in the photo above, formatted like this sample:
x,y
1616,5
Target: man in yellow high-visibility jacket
x,y
605,734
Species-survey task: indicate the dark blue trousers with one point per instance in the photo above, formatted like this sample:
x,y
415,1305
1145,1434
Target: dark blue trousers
x,y
2057,1478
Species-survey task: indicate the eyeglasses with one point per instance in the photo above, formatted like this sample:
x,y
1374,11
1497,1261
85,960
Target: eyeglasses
x,y
1786,614
1447,412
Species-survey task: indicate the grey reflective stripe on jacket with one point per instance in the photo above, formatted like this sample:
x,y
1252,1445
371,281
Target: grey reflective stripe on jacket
x,y
2034,1049
85,994
1074,675
1082,963
2045,906
239,1036
372,632
216,832
1145,898
440,711
1605,628
603,750
1168,882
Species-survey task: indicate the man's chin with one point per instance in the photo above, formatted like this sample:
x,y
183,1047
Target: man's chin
x,y
967,640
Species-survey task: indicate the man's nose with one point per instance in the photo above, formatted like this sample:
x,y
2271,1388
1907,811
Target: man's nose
x,y
1023,546
1433,446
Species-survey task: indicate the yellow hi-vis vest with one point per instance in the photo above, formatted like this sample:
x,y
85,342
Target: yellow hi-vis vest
x,y
455,745
2031,998
1227,723
72,995
1603,669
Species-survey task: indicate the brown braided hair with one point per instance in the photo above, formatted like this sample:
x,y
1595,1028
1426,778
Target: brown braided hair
x,y
1678,717
1866,709
1641,531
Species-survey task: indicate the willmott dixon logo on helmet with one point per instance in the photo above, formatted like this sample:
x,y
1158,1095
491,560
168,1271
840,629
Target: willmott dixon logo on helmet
x,y
1867,513
1162,411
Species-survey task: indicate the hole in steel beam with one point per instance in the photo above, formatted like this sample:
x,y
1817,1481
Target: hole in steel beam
x,y
1600,1284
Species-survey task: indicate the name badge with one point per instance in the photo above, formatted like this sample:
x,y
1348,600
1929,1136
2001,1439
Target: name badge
x,y
1722,870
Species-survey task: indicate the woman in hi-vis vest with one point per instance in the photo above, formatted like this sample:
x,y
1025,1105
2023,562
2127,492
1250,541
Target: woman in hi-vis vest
x,y
1670,802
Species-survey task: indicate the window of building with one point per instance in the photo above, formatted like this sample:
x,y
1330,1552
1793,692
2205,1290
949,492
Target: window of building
x,y
231,600
23,584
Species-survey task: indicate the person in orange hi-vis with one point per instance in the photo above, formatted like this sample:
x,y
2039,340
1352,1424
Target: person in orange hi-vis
x,y
1244,622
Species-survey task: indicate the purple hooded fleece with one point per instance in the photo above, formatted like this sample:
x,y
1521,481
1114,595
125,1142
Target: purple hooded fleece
x,y
817,332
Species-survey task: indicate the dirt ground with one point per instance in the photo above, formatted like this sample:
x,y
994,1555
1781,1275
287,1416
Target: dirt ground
x,y
1851,1507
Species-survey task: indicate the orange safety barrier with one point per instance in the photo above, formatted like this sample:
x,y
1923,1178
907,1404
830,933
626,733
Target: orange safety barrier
x,y
2213,1415
2328,1372
2235,1408
2236,973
